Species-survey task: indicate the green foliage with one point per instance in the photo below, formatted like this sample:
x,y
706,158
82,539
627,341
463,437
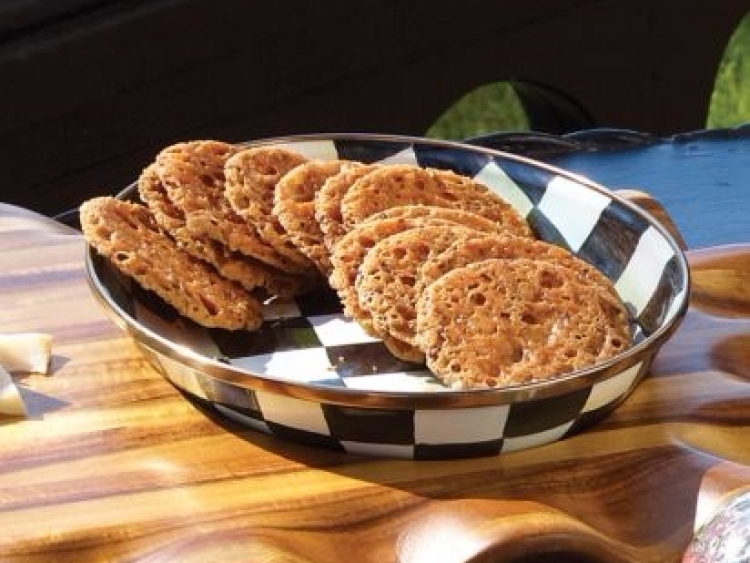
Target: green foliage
x,y
496,107
493,107
730,102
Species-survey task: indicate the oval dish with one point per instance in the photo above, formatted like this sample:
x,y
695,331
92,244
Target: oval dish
x,y
313,376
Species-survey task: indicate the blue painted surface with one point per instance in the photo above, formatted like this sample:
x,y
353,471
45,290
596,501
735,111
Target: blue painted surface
x,y
701,178
703,184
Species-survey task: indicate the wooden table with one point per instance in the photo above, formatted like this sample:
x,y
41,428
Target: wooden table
x,y
114,464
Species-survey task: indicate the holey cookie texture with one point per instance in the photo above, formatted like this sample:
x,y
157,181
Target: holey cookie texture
x,y
328,201
403,184
388,285
504,322
251,178
428,212
294,206
193,176
477,249
351,250
250,273
128,235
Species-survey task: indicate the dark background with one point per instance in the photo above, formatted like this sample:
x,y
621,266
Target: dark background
x,y
90,90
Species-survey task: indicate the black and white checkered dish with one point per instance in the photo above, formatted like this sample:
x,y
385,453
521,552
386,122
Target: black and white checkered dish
x,y
314,376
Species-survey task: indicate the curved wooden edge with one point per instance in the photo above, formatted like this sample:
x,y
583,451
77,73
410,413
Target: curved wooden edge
x,y
504,531
720,282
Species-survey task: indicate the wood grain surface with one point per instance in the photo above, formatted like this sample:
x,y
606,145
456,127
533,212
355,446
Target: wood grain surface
x,y
114,464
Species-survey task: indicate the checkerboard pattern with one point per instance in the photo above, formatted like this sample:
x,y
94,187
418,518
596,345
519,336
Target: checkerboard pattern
x,y
309,342
447,433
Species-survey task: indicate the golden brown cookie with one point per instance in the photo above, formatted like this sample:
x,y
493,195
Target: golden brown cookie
x,y
328,202
350,251
193,175
504,322
481,199
347,256
246,271
387,282
294,207
153,193
251,178
487,246
127,234
195,170
403,184
454,215
346,260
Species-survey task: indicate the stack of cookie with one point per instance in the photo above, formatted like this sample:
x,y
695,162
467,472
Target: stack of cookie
x,y
435,264
445,271
189,245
